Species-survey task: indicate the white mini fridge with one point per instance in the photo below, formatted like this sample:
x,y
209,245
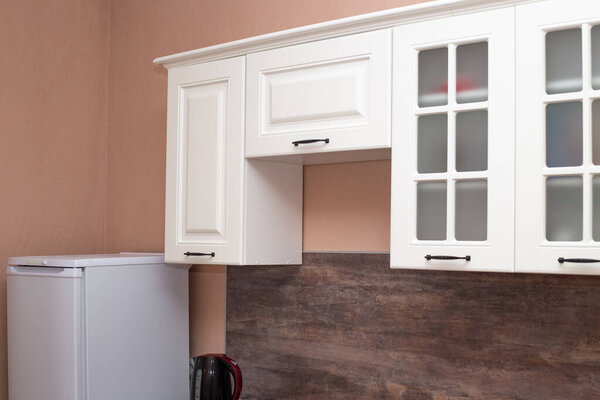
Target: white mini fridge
x,y
97,327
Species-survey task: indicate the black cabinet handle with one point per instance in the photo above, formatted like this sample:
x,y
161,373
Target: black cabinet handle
x,y
430,257
307,141
577,260
187,253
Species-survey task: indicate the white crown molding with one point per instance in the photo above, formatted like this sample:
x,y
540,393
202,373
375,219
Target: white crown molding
x,y
339,27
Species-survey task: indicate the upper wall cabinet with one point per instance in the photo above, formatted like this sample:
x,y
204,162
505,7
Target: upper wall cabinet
x,y
495,124
221,209
330,95
558,137
453,144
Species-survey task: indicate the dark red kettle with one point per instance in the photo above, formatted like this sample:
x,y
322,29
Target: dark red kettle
x,y
215,377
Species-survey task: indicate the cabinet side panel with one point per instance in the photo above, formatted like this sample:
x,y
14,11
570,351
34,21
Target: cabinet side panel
x,y
273,213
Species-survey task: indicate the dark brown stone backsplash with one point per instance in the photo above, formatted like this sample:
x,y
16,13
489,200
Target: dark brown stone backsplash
x,y
346,326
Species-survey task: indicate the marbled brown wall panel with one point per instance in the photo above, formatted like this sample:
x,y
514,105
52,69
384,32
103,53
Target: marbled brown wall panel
x,y
345,326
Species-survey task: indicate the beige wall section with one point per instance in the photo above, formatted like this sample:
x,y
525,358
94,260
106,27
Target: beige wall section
x,y
61,128
53,121
208,284
141,31
357,218
347,207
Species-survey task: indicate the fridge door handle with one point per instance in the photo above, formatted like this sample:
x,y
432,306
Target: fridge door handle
x,y
48,272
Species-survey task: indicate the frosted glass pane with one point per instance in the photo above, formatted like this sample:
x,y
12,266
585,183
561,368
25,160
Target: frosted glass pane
x,y
563,61
596,57
596,132
431,210
564,134
432,143
471,210
472,141
472,72
596,205
433,77
564,208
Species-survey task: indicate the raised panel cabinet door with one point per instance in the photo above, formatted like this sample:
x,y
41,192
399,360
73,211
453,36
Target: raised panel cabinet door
x,y
558,137
336,92
453,144
205,163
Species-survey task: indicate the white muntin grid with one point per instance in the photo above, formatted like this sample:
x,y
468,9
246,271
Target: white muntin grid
x,y
587,170
451,176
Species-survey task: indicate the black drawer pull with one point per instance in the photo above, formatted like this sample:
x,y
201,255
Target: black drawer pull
x,y
430,257
187,253
307,141
577,260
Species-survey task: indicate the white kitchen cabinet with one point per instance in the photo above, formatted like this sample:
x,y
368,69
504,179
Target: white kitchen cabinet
x,y
453,143
221,209
558,137
324,96
495,125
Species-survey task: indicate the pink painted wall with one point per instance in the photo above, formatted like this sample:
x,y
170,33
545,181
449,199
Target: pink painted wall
x,y
82,135
53,125
141,31
347,207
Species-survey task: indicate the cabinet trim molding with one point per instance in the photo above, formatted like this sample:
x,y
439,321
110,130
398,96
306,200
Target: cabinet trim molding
x,y
345,26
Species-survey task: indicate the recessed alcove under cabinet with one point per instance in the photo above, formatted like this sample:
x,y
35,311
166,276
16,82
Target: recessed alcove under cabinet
x,y
326,96
453,143
558,137
221,208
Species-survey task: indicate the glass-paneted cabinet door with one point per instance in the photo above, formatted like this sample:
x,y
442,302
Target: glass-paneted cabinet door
x,y
453,143
558,137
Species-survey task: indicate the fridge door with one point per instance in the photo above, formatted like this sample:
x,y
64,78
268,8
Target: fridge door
x,y
45,320
137,335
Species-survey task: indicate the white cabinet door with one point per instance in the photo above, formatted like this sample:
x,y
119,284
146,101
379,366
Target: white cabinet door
x,y
558,137
453,143
205,163
336,92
